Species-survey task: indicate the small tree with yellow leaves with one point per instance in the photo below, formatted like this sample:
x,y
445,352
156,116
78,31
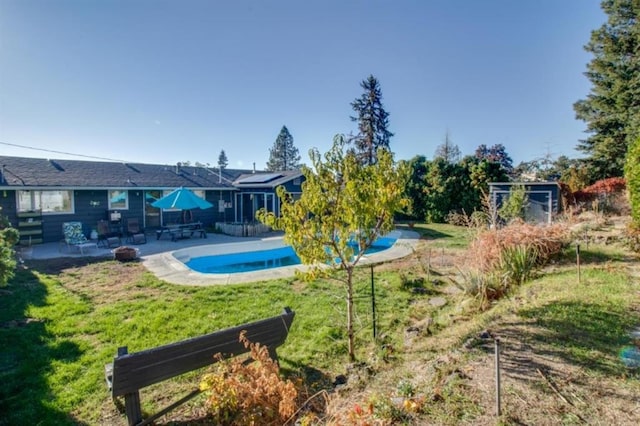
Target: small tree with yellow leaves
x,y
343,204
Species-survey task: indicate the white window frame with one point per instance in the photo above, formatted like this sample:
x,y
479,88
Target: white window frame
x,y
35,196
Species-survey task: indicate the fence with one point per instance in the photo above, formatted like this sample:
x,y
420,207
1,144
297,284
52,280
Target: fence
x,y
242,229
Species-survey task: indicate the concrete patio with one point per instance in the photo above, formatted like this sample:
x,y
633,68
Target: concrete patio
x,y
152,246
156,255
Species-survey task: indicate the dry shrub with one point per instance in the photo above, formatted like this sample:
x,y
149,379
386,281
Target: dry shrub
x,y
487,250
632,237
241,393
477,219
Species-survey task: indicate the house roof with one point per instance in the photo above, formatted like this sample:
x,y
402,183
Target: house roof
x,y
526,183
266,179
23,172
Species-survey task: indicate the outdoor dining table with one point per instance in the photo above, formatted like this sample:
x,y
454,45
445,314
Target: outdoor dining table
x,y
182,230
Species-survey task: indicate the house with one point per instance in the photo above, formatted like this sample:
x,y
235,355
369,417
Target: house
x,y
543,198
39,195
258,190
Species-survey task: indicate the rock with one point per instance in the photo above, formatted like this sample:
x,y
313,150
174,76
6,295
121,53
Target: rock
x,y
485,334
340,379
437,301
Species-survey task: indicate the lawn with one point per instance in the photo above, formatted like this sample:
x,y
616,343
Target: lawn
x,y
61,321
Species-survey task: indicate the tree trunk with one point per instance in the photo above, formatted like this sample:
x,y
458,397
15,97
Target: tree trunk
x,y
352,355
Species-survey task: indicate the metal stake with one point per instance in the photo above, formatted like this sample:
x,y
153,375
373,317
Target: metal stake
x,y
578,261
498,407
373,304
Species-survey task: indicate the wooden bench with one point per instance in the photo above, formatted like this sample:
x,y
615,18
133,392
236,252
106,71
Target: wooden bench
x,y
131,372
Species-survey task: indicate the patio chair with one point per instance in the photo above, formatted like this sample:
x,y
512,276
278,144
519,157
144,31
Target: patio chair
x,y
135,234
74,237
106,236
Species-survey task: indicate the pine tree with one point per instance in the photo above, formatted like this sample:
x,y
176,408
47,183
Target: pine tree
x,y
283,155
612,108
223,161
373,121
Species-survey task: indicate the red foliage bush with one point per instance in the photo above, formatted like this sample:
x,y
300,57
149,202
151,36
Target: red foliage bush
x,y
604,187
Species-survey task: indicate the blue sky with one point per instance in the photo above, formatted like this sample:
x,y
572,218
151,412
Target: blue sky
x,y
160,81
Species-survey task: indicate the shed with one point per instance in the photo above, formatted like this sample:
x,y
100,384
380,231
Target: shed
x,y
543,198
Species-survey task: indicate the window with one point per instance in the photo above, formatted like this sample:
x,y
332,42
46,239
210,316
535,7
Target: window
x,y
46,201
297,181
118,199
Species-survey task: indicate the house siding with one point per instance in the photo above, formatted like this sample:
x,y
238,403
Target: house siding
x,y
91,182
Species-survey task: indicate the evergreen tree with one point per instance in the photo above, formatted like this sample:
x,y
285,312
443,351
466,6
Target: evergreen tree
x,y
415,189
612,108
373,121
223,161
283,155
632,174
448,151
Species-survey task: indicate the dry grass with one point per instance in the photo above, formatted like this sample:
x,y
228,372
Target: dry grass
x,y
485,252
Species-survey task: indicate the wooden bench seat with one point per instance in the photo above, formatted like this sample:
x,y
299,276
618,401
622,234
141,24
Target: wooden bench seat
x,y
131,372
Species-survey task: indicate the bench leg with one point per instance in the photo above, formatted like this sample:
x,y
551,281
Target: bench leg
x,y
132,408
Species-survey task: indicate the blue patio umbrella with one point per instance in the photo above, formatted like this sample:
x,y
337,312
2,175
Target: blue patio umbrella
x,y
182,198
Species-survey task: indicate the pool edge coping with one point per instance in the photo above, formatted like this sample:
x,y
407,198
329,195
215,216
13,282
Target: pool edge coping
x,y
167,268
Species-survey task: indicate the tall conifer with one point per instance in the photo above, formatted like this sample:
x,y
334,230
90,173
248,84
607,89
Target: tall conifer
x,y
373,121
612,108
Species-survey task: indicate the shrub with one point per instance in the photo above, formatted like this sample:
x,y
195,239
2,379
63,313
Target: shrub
x,y
477,219
502,258
8,238
485,287
244,394
486,251
632,237
604,195
517,264
632,173
515,205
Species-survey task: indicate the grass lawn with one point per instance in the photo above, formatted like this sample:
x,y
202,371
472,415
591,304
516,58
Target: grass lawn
x,y
61,321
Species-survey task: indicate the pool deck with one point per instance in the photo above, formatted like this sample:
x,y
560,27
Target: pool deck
x,y
157,256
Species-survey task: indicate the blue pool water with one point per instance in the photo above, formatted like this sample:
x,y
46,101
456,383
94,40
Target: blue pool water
x,y
263,259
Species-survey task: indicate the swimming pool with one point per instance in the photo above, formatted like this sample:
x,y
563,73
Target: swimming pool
x,y
256,260
170,266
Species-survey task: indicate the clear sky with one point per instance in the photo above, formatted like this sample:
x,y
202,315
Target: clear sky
x,y
161,81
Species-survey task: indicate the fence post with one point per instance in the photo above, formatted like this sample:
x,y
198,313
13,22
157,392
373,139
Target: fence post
x,y
497,356
373,305
578,261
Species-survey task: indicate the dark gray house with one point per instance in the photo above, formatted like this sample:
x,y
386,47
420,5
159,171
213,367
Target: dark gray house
x,y
543,198
257,190
39,195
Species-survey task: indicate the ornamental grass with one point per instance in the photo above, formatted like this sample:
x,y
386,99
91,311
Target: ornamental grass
x,y
487,251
